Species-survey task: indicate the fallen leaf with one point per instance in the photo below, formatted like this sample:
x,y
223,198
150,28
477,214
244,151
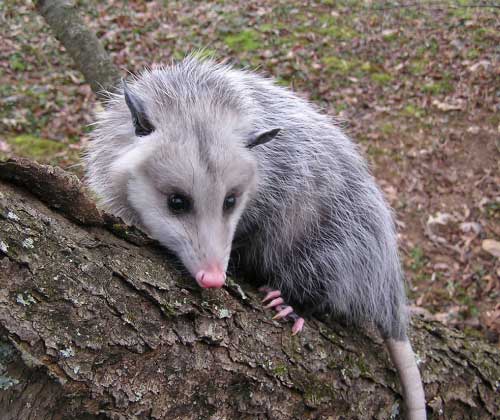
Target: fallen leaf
x,y
467,227
443,106
389,32
441,266
492,247
4,146
440,218
485,64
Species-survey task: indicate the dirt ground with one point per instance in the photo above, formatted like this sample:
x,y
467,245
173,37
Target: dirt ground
x,y
417,86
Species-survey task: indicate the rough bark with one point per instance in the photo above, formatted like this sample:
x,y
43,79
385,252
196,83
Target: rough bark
x,y
98,322
81,44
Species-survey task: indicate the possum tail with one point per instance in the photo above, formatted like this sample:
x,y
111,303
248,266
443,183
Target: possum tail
x,y
404,359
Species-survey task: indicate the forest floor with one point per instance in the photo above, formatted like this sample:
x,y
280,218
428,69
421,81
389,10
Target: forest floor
x,y
416,86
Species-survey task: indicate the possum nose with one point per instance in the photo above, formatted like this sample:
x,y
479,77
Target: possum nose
x,y
212,277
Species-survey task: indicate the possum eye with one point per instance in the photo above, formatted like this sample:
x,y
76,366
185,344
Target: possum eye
x,y
229,202
178,203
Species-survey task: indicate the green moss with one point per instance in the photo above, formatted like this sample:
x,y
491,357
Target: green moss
x,y
472,54
35,147
333,27
168,310
382,79
390,37
280,370
483,35
417,67
363,366
387,128
267,27
464,13
340,33
123,231
341,107
315,391
418,258
247,40
315,396
368,67
119,228
413,111
17,63
356,366
282,81
375,151
438,88
179,55
338,65
432,46
492,210
331,336
473,332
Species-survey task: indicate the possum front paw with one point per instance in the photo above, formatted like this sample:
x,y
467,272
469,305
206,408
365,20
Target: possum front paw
x,y
284,311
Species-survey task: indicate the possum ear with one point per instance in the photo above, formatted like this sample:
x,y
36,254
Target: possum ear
x,y
142,125
262,138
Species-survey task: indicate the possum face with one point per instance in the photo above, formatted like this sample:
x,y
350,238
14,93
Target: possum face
x,y
188,183
190,207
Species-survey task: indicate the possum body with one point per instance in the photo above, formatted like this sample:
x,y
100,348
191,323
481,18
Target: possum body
x,y
206,158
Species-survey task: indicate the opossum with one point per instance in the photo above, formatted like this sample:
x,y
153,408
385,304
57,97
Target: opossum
x,y
203,156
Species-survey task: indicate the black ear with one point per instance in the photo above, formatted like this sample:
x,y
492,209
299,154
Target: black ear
x,y
142,125
263,137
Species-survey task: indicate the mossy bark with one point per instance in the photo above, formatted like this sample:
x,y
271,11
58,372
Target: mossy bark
x,y
98,323
81,44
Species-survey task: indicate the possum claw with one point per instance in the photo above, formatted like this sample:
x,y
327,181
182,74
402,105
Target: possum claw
x,y
271,295
275,302
283,313
297,326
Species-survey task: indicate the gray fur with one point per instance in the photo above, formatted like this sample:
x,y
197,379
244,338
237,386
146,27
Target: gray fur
x,y
310,219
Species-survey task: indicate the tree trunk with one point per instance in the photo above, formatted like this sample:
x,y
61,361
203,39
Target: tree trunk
x,y
98,323
81,44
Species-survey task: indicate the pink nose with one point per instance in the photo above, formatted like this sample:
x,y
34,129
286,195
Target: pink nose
x,y
211,277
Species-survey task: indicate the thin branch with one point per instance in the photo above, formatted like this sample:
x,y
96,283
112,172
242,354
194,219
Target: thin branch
x,y
81,43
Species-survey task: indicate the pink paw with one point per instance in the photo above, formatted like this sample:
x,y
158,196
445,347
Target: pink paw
x,y
283,311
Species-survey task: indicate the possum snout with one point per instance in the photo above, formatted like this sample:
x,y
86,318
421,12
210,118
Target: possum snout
x,y
211,277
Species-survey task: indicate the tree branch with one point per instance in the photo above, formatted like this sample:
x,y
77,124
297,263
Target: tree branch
x,y
81,43
113,329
